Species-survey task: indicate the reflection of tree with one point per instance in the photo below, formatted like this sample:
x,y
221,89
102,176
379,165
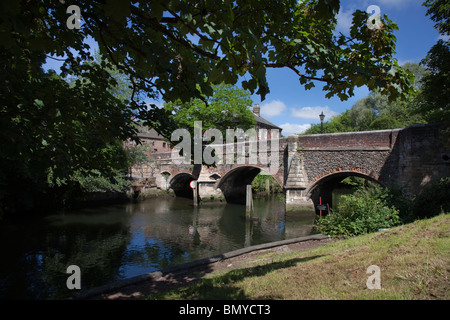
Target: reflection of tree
x,y
96,250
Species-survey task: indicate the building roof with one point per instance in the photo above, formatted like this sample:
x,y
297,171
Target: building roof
x,y
261,120
145,132
265,122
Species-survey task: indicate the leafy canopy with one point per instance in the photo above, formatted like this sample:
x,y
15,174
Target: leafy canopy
x,y
179,49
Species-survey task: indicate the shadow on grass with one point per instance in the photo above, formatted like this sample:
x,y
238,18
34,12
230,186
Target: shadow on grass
x,y
223,288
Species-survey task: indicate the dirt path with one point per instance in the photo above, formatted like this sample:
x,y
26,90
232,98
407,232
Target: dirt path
x,y
161,281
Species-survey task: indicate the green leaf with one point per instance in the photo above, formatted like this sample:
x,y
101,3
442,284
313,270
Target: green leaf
x,y
156,10
310,85
118,10
360,80
38,103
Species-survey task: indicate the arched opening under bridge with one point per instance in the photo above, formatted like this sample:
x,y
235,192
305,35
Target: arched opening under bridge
x,y
180,185
329,189
233,183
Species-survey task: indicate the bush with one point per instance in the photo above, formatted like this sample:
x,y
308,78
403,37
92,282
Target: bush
x,y
259,183
94,181
363,212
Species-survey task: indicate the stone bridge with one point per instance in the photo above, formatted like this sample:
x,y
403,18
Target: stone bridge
x,y
309,166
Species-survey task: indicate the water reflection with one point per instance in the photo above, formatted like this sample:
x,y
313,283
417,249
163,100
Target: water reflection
x,y
121,241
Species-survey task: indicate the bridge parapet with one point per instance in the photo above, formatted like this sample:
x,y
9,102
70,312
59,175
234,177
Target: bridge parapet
x,y
346,140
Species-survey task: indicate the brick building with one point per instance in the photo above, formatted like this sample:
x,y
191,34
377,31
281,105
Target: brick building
x,y
262,123
151,138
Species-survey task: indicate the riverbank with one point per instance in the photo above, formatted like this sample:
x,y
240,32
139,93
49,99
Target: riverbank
x,y
187,273
413,260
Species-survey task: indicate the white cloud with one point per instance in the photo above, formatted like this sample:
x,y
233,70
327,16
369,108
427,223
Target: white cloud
x,y
273,108
312,113
444,37
289,128
345,15
344,21
394,3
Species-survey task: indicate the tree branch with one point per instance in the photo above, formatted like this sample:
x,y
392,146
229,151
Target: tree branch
x,y
158,27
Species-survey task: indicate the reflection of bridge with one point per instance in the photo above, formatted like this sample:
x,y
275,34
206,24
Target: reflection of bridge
x,y
310,165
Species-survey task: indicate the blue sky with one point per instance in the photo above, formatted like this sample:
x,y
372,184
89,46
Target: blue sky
x,y
292,108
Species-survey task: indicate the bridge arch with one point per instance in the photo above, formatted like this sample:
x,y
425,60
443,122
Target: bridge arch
x,y
233,183
324,186
180,185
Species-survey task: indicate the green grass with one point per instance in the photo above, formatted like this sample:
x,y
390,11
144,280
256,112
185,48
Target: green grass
x,y
413,259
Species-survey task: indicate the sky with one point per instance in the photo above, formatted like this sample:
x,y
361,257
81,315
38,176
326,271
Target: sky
x,y
291,107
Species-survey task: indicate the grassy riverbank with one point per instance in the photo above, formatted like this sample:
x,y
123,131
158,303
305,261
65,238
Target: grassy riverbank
x,y
414,260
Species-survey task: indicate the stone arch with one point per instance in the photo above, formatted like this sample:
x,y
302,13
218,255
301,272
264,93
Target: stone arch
x,y
180,185
233,183
164,180
324,186
342,173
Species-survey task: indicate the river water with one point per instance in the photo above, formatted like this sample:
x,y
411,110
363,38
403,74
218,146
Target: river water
x,y
120,241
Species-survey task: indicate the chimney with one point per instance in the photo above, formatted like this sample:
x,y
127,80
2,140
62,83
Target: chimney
x,y
256,109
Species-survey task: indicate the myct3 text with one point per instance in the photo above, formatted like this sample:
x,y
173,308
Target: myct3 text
x,y
227,309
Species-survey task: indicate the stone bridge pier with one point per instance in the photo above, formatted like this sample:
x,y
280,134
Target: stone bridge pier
x,y
311,165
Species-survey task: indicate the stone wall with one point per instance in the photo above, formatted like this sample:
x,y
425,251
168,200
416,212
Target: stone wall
x,y
321,163
420,156
364,139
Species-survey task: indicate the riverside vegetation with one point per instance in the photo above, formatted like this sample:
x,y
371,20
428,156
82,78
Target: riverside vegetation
x,y
372,207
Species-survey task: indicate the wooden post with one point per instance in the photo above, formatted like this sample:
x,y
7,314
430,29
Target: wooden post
x,y
248,202
195,191
268,186
320,203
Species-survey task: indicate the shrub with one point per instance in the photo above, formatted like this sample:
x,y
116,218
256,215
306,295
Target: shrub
x,y
363,212
259,183
94,181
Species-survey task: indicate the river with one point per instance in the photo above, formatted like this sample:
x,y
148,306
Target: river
x,y
120,241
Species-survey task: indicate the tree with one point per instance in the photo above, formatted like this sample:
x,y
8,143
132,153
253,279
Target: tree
x,y
439,12
434,98
138,155
50,130
377,112
228,107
